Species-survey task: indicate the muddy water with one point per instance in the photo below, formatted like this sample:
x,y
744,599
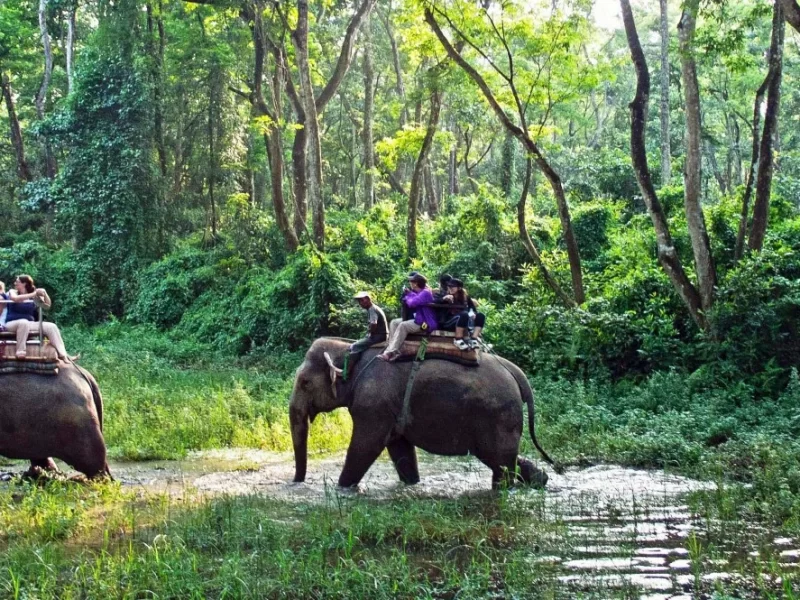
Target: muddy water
x,y
623,531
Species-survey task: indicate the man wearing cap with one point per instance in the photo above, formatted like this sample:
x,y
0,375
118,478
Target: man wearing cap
x,y
417,297
376,332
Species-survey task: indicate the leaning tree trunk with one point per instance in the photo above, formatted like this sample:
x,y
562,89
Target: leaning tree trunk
x,y
666,167
765,164
417,178
573,253
791,11
701,246
667,253
531,247
156,51
17,142
748,188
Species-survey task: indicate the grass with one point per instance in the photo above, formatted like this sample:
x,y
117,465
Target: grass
x,y
165,398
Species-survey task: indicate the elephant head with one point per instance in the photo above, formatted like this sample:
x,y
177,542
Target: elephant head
x,y
313,393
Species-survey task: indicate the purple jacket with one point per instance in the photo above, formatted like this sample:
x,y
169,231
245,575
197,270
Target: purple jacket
x,y
425,314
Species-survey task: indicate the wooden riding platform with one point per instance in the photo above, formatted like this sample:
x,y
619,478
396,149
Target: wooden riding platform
x,y
41,357
440,345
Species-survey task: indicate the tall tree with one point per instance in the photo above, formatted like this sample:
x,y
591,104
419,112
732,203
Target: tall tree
x,y
666,163
667,253
417,178
41,95
765,164
17,142
701,245
369,109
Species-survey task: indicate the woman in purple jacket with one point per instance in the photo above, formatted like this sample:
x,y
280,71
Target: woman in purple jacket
x,y
424,320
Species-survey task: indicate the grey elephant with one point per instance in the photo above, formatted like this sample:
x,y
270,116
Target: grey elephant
x,y
454,409
61,416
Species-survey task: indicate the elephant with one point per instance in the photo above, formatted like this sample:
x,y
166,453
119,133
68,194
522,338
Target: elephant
x,y
455,410
61,416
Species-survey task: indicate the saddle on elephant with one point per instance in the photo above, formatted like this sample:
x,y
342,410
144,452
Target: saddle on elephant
x,y
439,345
41,355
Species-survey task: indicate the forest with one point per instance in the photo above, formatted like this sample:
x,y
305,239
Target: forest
x,y
202,186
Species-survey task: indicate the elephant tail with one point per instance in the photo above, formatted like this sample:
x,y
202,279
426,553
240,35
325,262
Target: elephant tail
x,y
527,397
98,406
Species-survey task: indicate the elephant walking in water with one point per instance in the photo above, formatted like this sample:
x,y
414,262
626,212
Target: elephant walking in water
x,y
455,410
61,416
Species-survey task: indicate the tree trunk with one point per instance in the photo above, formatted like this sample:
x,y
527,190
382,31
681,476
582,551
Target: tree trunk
x,y
508,165
712,161
528,242
41,96
212,164
417,178
666,167
23,170
156,52
430,190
701,246
667,254
791,12
312,139
532,148
769,137
748,188
69,51
369,105
398,71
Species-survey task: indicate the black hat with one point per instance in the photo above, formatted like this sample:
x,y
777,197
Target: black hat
x,y
418,279
444,278
456,283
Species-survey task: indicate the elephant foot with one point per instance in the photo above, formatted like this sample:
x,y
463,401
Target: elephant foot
x,y
530,474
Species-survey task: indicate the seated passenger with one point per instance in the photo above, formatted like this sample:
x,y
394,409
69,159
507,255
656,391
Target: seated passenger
x,y
424,319
21,317
458,295
443,316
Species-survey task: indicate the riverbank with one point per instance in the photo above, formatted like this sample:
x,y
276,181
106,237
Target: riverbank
x,y
225,522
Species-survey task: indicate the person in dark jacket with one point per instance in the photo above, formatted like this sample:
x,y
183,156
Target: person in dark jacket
x,y
456,294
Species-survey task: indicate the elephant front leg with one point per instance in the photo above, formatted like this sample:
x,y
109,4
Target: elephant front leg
x,y
365,447
404,457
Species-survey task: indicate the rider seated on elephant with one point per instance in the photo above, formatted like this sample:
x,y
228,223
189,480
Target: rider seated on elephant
x,y
417,298
376,328
458,295
21,317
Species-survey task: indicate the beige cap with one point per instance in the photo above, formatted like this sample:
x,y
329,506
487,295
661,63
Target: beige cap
x,y
360,295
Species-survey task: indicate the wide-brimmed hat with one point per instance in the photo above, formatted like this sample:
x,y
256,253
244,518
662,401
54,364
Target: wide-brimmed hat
x,y
456,283
361,295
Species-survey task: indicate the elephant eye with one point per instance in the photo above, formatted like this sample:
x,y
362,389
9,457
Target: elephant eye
x,y
305,383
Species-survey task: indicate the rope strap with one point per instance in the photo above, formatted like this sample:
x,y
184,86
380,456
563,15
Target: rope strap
x,y
405,416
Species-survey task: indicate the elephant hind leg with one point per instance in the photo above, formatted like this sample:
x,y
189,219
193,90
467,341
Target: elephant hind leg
x,y
404,457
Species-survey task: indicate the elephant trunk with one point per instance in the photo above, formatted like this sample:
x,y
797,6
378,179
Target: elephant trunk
x,y
298,417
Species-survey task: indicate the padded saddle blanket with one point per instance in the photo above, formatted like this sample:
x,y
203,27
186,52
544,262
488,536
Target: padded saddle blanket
x,y
440,345
41,358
